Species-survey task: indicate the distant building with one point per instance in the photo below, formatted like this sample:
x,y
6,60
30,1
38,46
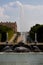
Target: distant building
x,y
12,25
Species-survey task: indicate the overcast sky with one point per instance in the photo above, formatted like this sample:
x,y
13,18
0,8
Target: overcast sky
x,y
10,10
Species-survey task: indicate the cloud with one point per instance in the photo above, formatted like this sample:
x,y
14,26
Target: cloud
x,y
11,4
34,7
1,11
11,10
2,15
32,13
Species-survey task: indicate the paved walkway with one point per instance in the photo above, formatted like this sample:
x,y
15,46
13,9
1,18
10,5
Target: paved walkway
x,y
20,38
13,37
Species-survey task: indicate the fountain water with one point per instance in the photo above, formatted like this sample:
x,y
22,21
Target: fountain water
x,y
21,23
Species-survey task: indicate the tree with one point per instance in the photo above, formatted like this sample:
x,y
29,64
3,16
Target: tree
x,y
3,31
3,36
37,29
40,34
33,31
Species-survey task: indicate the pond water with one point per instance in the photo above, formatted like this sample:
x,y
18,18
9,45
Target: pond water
x,y
31,58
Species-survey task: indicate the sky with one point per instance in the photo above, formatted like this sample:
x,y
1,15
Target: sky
x,y
29,12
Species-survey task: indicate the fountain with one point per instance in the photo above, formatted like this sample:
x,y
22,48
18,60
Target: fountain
x,y
21,26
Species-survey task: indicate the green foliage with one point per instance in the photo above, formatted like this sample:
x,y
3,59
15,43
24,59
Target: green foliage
x,y
40,34
0,37
10,34
3,37
33,30
3,31
39,30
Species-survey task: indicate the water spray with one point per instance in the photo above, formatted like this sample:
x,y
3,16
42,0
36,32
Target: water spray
x,y
21,26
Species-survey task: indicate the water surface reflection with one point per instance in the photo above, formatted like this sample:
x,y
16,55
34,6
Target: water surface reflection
x,y
31,58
